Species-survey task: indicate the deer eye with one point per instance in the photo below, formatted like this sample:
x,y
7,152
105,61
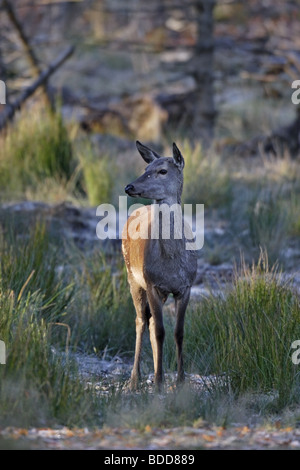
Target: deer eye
x,y
163,172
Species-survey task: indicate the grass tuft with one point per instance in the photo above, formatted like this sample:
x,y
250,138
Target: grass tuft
x,y
36,385
35,149
247,334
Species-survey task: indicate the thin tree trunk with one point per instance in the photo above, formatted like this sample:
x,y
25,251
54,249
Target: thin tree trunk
x,y
203,71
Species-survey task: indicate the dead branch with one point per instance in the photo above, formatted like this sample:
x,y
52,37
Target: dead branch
x,y
12,108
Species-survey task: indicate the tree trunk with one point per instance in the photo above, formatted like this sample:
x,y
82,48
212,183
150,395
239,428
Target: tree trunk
x,y
203,71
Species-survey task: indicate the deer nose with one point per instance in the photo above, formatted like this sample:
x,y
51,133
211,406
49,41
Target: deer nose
x,y
129,188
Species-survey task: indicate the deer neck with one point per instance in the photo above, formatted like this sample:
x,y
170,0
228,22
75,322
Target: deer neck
x,y
169,200
170,247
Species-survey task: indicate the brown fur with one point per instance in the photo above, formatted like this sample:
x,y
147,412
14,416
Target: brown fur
x,y
157,267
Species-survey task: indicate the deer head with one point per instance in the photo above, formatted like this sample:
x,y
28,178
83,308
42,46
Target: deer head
x,y
163,177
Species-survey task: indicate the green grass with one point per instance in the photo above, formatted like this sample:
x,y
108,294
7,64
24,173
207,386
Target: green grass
x,y
39,384
268,222
36,386
29,265
206,178
247,335
41,158
294,214
190,406
183,406
243,337
98,176
264,211
103,316
35,148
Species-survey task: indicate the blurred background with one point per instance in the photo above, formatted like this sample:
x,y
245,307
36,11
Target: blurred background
x,y
213,76
195,69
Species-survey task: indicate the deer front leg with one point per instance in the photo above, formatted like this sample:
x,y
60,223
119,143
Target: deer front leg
x,y
139,299
157,333
180,308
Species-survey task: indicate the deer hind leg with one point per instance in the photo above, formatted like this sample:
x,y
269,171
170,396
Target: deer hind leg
x,y
180,308
157,333
139,299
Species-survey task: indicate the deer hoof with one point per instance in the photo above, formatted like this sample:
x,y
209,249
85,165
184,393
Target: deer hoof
x,y
134,383
180,378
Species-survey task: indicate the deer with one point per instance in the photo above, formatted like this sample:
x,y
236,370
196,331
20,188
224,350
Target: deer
x,y
158,266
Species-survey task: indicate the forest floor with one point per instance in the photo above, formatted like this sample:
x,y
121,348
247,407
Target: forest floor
x,y
180,438
200,436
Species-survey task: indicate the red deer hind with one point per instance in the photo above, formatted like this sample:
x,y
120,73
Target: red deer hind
x,y
158,265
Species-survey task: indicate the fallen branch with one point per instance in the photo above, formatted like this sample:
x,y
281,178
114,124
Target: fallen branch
x,y
12,108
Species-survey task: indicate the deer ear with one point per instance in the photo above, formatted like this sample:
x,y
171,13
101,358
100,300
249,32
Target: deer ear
x,y
147,154
177,157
